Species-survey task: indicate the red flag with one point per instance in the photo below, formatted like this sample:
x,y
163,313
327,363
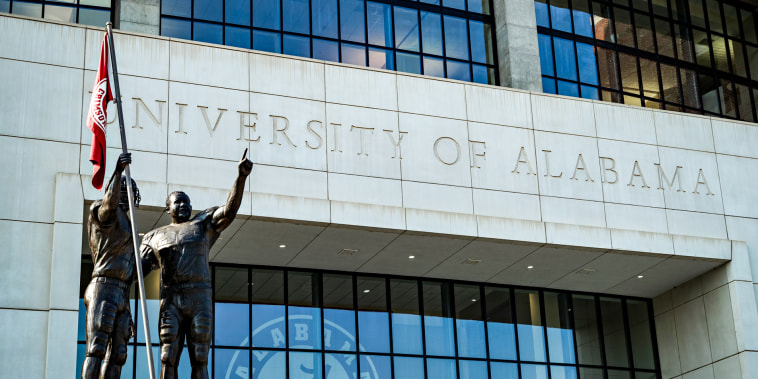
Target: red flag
x,y
97,117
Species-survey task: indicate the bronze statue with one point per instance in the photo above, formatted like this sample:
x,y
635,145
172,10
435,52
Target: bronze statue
x,y
181,250
109,320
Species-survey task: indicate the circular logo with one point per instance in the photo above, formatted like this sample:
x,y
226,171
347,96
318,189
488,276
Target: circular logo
x,y
305,365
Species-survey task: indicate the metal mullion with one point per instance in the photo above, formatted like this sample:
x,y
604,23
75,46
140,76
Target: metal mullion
x,y
543,320
451,299
388,297
483,307
444,48
249,307
213,312
310,30
628,334
421,40
281,50
365,30
572,326
653,336
285,272
320,280
514,320
420,289
354,283
470,57
555,65
601,336
339,30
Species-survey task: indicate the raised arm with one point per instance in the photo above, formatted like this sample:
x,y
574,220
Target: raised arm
x,y
107,210
224,216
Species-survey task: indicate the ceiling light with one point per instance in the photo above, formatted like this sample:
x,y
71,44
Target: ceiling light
x,y
474,300
282,246
347,251
411,257
640,276
471,261
530,267
366,291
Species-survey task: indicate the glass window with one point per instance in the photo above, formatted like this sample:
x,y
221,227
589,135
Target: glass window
x,y
406,319
644,29
324,18
408,62
353,54
748,25
560,15
479,6
530,331
587,63
664,38
500,326
373,319
295,16
239,37
481,42
568,88
338,312
630,79
268,308
266,15
24,8
406,29
434,67
482,74
546,54
503,370
441,368
232,309
378,366
181,8
624,29
304,317
458,70
582,16
548,86
326,50
176,28
601,14
588,343
744,103
560,335
208,10
267,41
457,4
296,45
529,371
352,22
614,334
473,369
456,40
409,368
270,364
5,6
438,322
469,323
379,23
303,365
589,92
562,372
714,16
737,58
541,11
565,58
60,13
205,32
639,330
227,359
237,12
650,83
381,58
431,32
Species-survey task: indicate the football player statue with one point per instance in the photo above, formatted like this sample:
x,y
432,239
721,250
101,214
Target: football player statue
x,y
181,250
109,322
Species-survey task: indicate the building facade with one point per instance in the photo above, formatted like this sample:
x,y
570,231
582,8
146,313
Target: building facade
x,y
455,221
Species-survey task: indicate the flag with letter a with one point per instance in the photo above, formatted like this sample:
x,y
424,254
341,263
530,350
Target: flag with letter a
x,y
97,117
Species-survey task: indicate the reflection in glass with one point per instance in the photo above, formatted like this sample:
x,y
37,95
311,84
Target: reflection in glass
x,y
377,366
639,330
582,16
353,54
181,8
456,42
601,14
324,18
458,70
650,84
440,368
743,102
565,60
406,321
434,67
629,74
479,6
590,373
338,311
748,26
340,366
176,28
737,57
352,24
587,63
266,15
270,364
237,12
619,374
560,15
231,362
295,16
409,368
208,10
5,6
568,88
457,4
268,308
541,11
304,316
548,86
702,49
232,311
589,92
613,332
714,16
205,32
533,371
473,369
624,29
373,320
500,329
546,54
296,45
438,322
326,50
586,330
239,37
560,337
406,29
24,8
664,38
469,323
530,331
644,30
709,93
305,365
408,62
379,23
728,98
562,372
481,42
431,32
503,370
140,356
60,13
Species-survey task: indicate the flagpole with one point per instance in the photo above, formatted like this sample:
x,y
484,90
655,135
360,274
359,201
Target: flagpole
x,y
130,193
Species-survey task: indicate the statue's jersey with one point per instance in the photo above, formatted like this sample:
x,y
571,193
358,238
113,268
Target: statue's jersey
x,y
111,245
181,250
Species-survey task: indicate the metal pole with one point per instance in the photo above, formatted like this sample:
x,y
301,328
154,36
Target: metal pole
x,y
129,191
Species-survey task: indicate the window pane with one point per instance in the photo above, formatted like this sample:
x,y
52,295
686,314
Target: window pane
x,y
239,37
644,32
339,316
664,38
182,8
457,4
732,20
560,15
541,10
748,26
304,365
176,28
378,366
27,9
479,6
434,67
352,23
232,311
481,75
613,332
228,361
441,368
205,32
406,321
690,88
304,324
719,53
295,17
296,45
601,14
702,48
438,322
473,369
582,18
560,336
737,56
697,14
568,89
340,365
587,63
590,93
743,102
237,12
639,330
728,99
683,41
60,13
500,329
208,10
586,328
503,370
590,373
533,371
270,364
619,374
324,18
714,16
373,319
458,70
565,60
268,309
650,85
379,23
456,42
624,30
546,54
267,41
709,93
469,323
326,50
409,368
408,62
562,372
481,42
5,6
548,86
266,15
630,79
353,54
431,32
381,58
406,29
530,331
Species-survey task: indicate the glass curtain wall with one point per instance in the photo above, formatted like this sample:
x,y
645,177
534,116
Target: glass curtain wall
x,y
443,38
697,56
89,12
280,323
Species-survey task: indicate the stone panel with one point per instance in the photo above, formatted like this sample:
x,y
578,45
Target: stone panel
x,y
692,335
734,138
668,348
718,311
56,44
431,97
498,161
208,59
360,87
21,347
625,123
65,265
61,343
560,114
738,177
27,247
277,75
496,105
674,129
135,54
698,189
633,180
568,166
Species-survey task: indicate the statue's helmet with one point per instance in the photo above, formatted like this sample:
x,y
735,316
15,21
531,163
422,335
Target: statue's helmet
x,y
135,190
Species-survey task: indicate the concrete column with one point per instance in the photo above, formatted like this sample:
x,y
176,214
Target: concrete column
x,y
141,16
517,46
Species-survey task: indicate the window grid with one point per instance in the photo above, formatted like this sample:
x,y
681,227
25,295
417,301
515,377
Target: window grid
x,y
722,100
448,302
174,25
92,12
